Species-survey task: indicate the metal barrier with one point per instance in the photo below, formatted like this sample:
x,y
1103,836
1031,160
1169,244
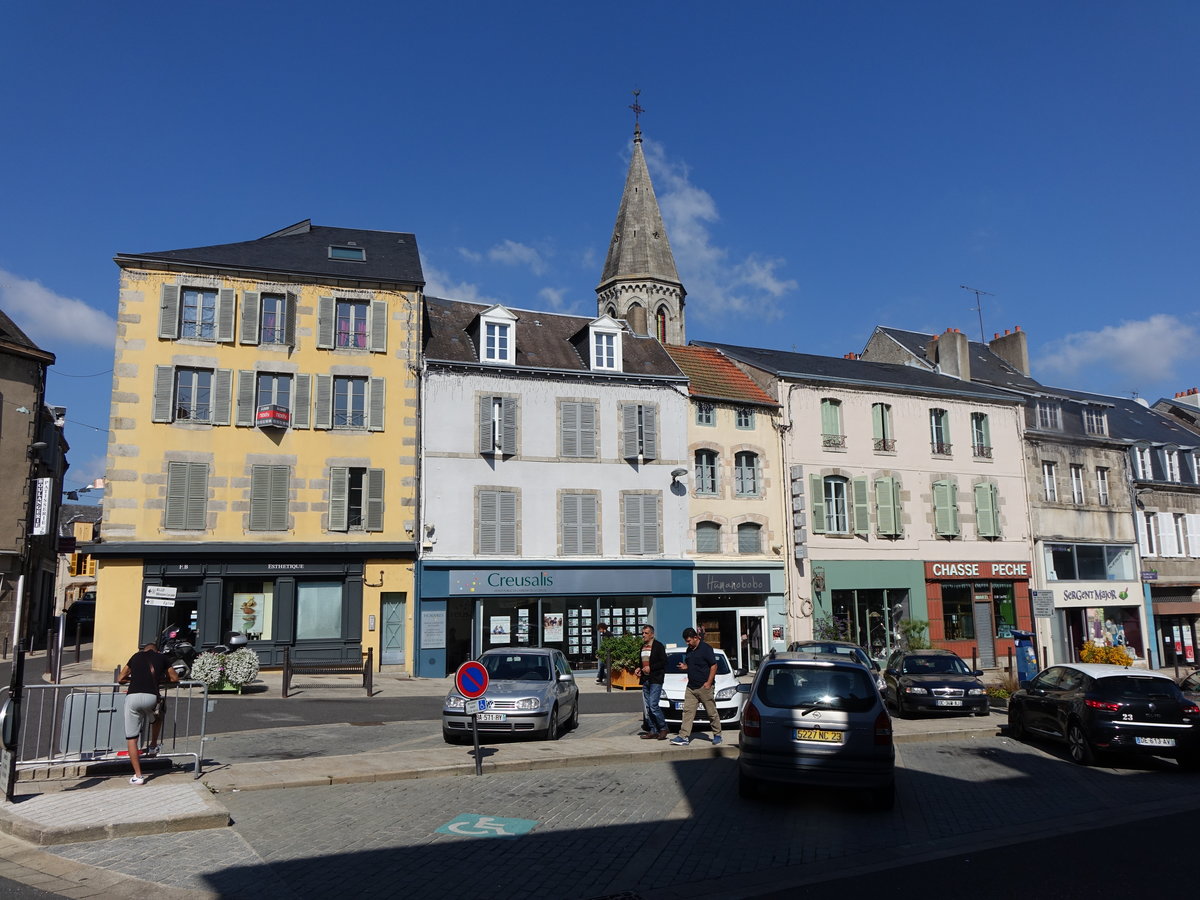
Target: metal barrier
x,y
77,724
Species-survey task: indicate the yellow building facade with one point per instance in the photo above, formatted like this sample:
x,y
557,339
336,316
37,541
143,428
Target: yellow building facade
x,y
263,454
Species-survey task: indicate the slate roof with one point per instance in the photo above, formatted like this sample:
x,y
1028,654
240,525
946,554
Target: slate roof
x,y
303,249
542,340
713,376
859,373
1129,420
11,333
986,366
639,247
1186,413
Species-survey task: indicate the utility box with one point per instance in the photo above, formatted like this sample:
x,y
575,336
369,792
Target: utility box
x,y
1027,663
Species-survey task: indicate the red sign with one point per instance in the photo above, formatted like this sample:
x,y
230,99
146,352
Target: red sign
x,y
1018,570
273,417
471,680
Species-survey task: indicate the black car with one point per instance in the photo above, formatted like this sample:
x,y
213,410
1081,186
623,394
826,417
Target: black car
x,y
1190,685
1108,709
81,615
933,681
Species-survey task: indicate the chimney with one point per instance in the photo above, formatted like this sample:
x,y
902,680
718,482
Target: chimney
x,y
951,354
1013,348
1190,397
636,317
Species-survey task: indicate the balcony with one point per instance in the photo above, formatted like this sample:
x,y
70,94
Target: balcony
x,y
981,451
834,441
885,445
940,448
273,417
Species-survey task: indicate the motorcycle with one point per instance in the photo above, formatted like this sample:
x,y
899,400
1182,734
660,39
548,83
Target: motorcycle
x,y
179,645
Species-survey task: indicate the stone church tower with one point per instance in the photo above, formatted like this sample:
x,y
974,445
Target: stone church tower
x,y
639,282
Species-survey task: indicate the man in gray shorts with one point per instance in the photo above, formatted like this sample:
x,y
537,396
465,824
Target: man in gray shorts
x,y
143,673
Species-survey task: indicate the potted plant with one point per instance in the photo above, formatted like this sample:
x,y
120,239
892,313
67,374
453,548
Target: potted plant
x,y
226,671
625,652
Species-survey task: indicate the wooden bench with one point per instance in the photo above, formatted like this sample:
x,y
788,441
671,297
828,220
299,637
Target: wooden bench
x,y
329,667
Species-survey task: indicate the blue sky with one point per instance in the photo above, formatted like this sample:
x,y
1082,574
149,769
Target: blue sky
x,y
822,167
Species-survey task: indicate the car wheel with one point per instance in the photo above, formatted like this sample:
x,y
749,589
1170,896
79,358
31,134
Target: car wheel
x,y
553,731
901,711
1016,727
884,798
1077,743
1191,763
747,786
983,711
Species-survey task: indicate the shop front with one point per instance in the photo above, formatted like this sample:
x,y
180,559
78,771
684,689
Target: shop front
x,y
1106,613
864,601
1176,623
742,611
974,607
466,610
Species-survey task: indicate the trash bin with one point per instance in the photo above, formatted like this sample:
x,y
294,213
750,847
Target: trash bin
x,y
1027,664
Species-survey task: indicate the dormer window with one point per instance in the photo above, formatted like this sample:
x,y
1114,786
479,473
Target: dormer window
x,y
354,254
497,336
495,342
605,342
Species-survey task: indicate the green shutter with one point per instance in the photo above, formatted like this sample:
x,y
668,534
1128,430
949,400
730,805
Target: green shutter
x,y
375,404
862,505
831,420
225,315
373,489
886,514
250,317
324,414
816,499
222,396
260,498
339,498
325,322
168,312
377,331
302,401
987,519
164,394
945,502
247,390
877,426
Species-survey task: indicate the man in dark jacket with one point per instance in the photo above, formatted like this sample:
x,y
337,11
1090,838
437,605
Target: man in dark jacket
x,y
651,672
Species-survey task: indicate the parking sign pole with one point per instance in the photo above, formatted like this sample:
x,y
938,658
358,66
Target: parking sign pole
x,y
475,732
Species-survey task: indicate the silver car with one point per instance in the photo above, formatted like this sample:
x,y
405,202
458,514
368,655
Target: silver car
x,y
531,690
816,719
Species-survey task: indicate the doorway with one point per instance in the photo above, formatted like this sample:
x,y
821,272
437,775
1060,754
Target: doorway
x,y
392,635
752,626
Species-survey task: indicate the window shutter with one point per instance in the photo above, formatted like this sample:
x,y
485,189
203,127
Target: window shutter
x,y
260,498
325,317
222,396
197,500
302,401
1193,534
488,524
324,414
374,491
225,315
247,390
1168,544
650,523
378,328
830,420
633,524
289,319
91,566
281,477
629,426
339,498
985,431
650,432
176,512
816,498
985,510
570,524
250,317
877,412
487,427
749,538
507,531
945,504
885,507
168,312
164,394
588,543
587,430
862,505
1143,536
375,404
708,537
508,425
570,429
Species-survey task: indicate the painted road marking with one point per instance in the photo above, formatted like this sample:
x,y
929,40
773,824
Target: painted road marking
x,y
473,825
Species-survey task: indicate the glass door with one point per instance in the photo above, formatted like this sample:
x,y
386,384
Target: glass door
x,y
752,628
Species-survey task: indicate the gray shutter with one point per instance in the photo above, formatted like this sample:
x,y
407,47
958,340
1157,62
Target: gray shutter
x,y
588,539
281,477
375,404
289,320
222,396
251,317
339,498
225,315
862,505
629,426
377,336
633,524
816,495
650,523
945,503
650,432
176,512
587,430
488,507
324,415
164,394
373,489
168,312
487,430
570,524
325,321
508,425
885,506
507,538
260,498
749,535
301,401
570,429
247,389
197,496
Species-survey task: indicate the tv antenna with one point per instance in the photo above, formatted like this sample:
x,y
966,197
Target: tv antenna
x,y
978,307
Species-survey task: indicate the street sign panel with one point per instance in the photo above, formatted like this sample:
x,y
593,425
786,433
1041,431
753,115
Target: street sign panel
x,y
480,705
1043,604
471,680
161,591
159,601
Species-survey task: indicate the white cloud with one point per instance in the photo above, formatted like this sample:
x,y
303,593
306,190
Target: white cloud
x,y
1148,350
442,284
470,255
556,300
512,253
716,284
51,319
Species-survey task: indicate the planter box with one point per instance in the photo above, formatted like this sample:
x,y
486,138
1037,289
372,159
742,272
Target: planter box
x,y
623,679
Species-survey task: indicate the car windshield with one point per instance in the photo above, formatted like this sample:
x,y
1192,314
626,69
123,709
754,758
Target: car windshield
x,y
934,665
1131,687
516,666
806,687
674,659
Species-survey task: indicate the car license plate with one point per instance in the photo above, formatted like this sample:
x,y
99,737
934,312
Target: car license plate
x,y
813,734
1154,742
679,704
949,703
491,717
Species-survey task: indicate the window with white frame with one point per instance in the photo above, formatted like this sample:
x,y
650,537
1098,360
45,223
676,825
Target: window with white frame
x,y
495,341
640,430
749,536
604,350
1171,464
706,472
981,436
1049,415
1095,420
1049,481
274,328
350,324
1077,484
355,499
1148,534
349,402
497,425
882,429
1102,486
747,474
1141,463
193,394
832,435
743,417
273,389
837,515
706,414
708,537
198,314
186,394
939,432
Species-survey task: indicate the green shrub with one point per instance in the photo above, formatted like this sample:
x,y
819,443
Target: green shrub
x,y
914,634
1098,653
626,651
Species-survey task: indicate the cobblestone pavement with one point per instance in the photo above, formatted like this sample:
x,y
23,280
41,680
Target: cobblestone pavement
x,y
658,830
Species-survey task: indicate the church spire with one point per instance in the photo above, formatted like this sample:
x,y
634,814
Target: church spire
x,y
639,281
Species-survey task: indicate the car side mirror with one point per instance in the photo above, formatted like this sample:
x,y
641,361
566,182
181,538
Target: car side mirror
x,y
744,688
978,673
566,677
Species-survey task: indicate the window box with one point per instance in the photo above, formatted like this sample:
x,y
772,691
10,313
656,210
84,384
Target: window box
x,y
272,416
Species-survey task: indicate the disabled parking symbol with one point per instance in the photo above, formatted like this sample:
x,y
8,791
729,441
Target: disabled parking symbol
x,y
472,825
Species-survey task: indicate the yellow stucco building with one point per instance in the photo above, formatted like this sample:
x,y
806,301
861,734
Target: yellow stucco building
x,y
263,456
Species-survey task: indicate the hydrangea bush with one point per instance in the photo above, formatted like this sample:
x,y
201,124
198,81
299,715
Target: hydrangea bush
x,y
216,669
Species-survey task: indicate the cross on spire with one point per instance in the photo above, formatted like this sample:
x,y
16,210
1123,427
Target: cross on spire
x,y
637,112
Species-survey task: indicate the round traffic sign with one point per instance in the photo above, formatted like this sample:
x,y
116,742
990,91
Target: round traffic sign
x,y
471,679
